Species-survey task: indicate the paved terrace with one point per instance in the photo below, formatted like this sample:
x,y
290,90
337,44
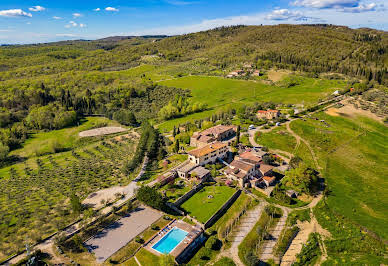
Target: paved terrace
x,y
118,234
193,231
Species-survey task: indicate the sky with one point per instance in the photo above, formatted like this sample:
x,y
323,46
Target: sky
x,y
36,21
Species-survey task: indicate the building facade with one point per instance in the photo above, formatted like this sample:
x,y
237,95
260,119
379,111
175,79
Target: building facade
x,y
208,153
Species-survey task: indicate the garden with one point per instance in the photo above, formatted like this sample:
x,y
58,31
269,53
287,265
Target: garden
x,y
203,204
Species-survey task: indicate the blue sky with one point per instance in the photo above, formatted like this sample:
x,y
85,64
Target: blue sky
x,y
32,21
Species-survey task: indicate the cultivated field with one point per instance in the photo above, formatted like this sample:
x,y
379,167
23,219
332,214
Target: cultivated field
x,y
203,204
34,195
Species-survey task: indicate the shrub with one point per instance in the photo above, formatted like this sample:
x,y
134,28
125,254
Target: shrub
x,y
139,240
213,243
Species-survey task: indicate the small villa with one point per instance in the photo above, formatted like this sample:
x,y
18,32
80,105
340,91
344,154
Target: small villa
x,y
268,114
216,133
208,154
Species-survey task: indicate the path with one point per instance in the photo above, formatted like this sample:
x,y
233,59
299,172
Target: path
x,y
298,140
268,245
306,228
246,224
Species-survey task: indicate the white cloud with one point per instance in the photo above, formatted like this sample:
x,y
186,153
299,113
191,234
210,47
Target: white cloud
x,y
55,17
351,6
285,14
6,30
28,23
97,9
37,8
71,24
14,13
364,8
77,15
327,3
111,9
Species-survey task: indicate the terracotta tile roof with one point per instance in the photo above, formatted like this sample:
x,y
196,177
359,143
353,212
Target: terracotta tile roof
x,y
264,168
269,179
242,165
216,130
250,156
235,172
205,150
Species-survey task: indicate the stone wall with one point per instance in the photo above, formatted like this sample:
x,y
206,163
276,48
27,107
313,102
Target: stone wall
x,y
221,210
188,195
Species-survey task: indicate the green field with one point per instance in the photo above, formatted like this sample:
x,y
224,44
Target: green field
x,y
219,92
201,207
278,138
67,138
354,154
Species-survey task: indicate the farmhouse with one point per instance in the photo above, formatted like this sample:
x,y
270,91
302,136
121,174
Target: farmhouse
x,y
216,133
236,73
266,169
208,154
244,167
192,170
241,171
269,114
269,180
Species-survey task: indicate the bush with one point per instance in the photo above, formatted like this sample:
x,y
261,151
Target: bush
x,y
151,197
213,243
139,240
3,151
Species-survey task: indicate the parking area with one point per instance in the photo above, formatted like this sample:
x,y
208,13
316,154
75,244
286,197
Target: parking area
x,y
118,234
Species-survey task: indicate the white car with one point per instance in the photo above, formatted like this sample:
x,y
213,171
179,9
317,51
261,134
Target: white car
x,y
251,127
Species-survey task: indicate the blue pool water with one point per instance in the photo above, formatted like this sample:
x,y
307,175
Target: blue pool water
x,y
170,240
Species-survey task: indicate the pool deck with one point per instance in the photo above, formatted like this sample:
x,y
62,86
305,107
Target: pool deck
x,y
193,233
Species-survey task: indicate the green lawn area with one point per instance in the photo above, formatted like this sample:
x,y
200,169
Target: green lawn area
x,y
278,138
201,207
147,258
218,92
356,171
224,261
68,137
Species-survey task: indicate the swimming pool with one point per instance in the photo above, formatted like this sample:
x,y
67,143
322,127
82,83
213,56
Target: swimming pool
x,y
170,240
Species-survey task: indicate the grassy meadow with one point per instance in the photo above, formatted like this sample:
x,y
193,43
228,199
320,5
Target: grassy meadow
x,y
354,155
41,142
278,138
218,92
203,204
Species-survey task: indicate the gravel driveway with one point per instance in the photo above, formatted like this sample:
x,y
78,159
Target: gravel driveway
x,y
118,234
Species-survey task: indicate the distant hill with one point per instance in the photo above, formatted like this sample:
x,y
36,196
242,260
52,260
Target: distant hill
x,y
360,53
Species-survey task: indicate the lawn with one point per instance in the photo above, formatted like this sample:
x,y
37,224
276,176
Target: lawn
x,y
219,92
203,204
278,138
147,258
354,154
